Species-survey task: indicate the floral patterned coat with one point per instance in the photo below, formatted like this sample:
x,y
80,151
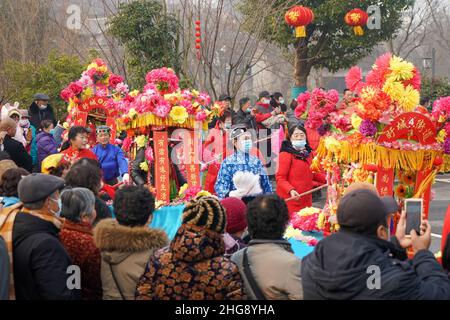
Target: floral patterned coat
x,y
193,267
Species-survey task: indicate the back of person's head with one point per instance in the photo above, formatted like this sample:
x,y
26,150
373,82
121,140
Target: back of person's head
x,y
88,161
235,209
363,212
74,131
4,156
7,124
293,104
446,255
78,203
84,176
267,217
133,206
45,124
206,213
360,186
10,181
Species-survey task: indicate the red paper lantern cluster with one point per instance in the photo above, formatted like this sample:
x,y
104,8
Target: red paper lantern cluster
x,y
299,17
198,38
356,18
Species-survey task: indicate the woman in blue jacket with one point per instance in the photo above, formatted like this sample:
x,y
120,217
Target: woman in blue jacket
x,y
111,158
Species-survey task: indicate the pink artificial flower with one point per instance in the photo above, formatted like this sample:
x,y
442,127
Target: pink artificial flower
x,y
332,96
149,154
67,94
353,78
114,80
201,116
165,79
99,62
76,88
122,88
162,110
85,81
186,94
91,73
204,99
150,87
385,118
126,145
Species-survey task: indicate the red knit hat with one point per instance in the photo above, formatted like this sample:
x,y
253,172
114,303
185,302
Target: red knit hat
x,y
236,216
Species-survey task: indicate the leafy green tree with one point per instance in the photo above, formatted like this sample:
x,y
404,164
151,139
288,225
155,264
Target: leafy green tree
x,y
329,42
23,80
433,89
149,35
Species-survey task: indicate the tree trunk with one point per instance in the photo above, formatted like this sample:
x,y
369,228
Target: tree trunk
x,y
302,66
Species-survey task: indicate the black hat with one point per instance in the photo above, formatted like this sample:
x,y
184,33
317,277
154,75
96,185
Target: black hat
x,y
237,130
264,94
390,204
103,128
37,187
224,97
41,96
361,210
205,212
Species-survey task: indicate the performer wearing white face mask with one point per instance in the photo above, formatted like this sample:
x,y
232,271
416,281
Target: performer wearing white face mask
x,y
241,174
294,175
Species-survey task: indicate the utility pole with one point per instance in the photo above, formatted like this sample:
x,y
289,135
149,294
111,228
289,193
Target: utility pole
x,y
433,64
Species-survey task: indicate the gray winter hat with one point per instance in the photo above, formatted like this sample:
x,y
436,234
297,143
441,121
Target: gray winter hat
x,y
38,186
41,96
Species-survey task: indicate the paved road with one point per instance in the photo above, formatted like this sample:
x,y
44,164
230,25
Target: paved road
x,y
438,207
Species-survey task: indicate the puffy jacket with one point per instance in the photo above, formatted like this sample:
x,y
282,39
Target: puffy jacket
x,y
46,145
18,154
112,160
341,267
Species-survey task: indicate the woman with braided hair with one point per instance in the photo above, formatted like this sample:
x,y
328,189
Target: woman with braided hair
x,y
193,267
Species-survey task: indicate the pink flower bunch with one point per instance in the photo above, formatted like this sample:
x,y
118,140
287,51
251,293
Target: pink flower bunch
x,y
126,145
162,109
340,122
191,192
322,104
149,154
165,79
302,103
204,99
76,88
377,75
201,116
122,88
150,87
353,80
305,223
186,94
86,81
188,106
441,107
66,94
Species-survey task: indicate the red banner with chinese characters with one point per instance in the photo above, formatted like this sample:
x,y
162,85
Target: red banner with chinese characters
x,y
97,103
385,181
162,171
81,118
410,126
192,165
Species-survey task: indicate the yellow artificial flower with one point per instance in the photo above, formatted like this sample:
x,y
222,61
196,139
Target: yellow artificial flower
x,y
400,69
134,93
195,93
203,193
442,119
410,99
441,136
179,114
87,93
173,98
132,113
332,144
321,221
308,211
158,204
66,125
102,69
183,189
144,166
92,65
393,89
368,93
291,232
106,81
356,121
140,141
72,105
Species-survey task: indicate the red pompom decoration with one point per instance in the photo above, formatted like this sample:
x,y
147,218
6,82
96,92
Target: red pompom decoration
x,y
197,46
197,22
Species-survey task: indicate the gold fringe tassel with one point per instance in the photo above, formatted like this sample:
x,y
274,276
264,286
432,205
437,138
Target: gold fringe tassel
x,y
150,119
425,184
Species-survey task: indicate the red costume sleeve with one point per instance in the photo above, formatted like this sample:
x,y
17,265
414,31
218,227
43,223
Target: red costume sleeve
x,y
284,165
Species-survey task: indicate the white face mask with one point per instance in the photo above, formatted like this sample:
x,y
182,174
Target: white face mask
x,y
43,107
57,213
24,123
281,101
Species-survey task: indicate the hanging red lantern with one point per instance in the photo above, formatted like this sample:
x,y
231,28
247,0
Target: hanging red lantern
x,y
197,22
299,17
198,40
197,46
356,18
198,34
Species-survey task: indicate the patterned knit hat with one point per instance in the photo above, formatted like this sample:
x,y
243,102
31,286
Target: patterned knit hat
x,y
236,216
205,212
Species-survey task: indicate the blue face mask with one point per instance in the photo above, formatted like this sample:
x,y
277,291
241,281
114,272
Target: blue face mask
x,y
249,110
246,146
227,125
52,131
299,144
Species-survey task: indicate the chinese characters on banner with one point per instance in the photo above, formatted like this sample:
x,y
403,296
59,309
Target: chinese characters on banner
x,y
385,181
162,171
421,175
192,165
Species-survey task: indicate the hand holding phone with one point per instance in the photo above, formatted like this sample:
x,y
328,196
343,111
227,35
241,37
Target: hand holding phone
x,y
414,211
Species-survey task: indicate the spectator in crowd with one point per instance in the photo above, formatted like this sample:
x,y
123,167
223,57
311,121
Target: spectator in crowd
x,y
110,157
19,136
78,208
4,270
29,133
268,253
445,241
46,144
4,156
245,114
8,186
242,174
226,100
127,243
56,165
78,139
6,163
294,175
15,149
41,110
236,224
41,263
346,107
339,267
59,129
277,101
292,120
86,173
193,267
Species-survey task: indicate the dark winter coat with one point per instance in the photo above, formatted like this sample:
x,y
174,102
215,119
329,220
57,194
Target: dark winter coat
x,y
40,261
37,115
4,271
341,267
246,119
46,145
193,267
18,154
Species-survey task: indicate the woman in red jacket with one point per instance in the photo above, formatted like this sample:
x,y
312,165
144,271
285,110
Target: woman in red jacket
x,y
294,175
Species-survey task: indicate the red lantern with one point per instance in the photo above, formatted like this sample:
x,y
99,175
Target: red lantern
x,y
197,46
356,18
197,22
299,17
198,40
198,28
198,34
